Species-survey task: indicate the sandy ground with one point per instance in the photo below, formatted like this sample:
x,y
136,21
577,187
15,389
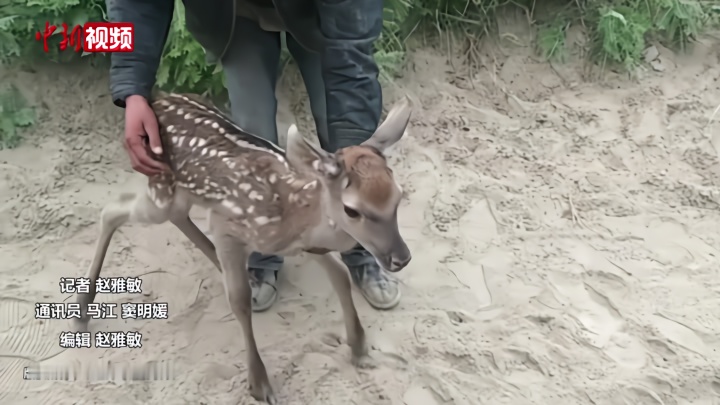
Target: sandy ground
x,y
565,239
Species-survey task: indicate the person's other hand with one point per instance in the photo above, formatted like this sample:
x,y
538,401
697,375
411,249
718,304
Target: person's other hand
x,y
140,122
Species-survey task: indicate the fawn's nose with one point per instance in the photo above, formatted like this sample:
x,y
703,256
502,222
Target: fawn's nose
x,y
398,264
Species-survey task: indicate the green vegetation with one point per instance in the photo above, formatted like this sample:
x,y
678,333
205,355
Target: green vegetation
x,y
618,31
14,114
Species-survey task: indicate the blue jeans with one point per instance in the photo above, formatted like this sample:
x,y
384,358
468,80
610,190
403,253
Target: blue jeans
x,y
251,67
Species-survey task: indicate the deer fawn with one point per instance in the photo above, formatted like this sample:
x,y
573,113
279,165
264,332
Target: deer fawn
x,y
261,198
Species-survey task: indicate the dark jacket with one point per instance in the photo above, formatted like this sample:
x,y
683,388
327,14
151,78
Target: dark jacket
x,y
342,31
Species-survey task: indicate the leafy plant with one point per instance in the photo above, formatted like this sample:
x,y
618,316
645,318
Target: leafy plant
x,y
551,40
680,21
621,35
14,114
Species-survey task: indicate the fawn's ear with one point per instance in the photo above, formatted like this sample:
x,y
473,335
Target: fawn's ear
x,y
393,128
306,155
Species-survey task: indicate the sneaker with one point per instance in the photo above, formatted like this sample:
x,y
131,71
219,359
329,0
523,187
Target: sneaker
x,y
264,292
380,291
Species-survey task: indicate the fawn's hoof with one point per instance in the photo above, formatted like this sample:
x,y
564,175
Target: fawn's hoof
x,y
259,385
364,362
263,393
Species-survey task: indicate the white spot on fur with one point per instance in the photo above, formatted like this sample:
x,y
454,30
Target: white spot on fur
x,y
215,125
213,152
202,142
180,140
193,142
331,168
254,195
262,220
171,129
222,153
232,207
272,178
171,107
188,116
208,122
221,130
180,111
310,185
244,186
203,151
198,120
251,209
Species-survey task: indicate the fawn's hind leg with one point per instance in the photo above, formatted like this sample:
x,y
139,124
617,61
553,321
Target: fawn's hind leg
x,y
138,208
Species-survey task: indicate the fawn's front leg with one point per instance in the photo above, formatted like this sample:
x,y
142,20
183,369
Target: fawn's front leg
x,y
233,259
340,280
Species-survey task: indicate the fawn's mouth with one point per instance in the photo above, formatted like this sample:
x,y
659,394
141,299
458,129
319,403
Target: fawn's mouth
x,y
393,265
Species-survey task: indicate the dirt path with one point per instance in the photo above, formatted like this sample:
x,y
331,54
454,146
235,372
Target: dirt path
x,y
565,241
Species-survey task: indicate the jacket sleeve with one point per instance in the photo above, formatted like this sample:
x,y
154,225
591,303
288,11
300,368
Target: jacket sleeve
x,y
352,89
135,72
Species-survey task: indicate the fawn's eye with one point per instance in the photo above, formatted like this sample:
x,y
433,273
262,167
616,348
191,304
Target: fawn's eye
x,y
351,212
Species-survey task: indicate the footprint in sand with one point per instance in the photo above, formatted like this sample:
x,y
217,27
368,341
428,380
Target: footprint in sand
x,y
603,322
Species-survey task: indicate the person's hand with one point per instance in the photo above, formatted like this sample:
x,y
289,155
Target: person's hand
x,y
140,122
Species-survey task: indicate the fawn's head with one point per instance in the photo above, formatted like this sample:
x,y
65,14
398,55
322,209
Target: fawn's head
x,y
359,189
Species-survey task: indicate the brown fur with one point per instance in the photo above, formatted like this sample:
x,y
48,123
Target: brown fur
x,y
368,172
